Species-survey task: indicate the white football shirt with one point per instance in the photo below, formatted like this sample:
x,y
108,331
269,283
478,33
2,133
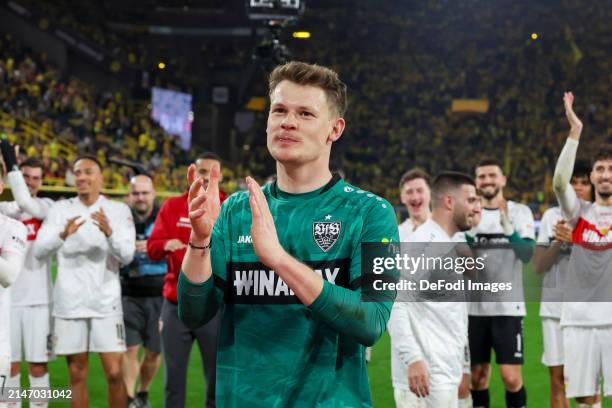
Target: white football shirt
x,y
501,264
88,262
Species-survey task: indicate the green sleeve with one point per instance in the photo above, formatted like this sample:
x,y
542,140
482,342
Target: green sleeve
x,y
362,313
197,302
522,247
344,310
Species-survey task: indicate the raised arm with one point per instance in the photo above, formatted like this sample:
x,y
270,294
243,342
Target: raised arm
x,y
566,195
36,207
198,298
204,209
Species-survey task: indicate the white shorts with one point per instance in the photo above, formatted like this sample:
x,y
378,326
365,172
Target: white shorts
x,y
553,342
437,398
31,334
588,357
96,335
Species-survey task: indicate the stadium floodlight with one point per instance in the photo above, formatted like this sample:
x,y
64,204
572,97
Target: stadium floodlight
x,y
275,9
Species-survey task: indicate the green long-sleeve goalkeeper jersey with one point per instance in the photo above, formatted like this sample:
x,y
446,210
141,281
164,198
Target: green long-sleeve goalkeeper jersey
x,y
274,351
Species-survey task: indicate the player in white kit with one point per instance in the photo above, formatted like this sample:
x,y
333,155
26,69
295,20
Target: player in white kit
x,y
496,319
13,235
428,337
92,237
415,195
31,293
586,317
551,258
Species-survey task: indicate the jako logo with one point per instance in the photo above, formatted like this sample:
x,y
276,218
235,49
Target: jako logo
x,y
245,239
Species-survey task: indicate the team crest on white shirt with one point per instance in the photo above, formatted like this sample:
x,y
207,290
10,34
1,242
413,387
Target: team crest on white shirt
x,y
326,234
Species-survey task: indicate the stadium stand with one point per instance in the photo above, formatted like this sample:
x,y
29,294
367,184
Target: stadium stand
x,y
432,84
401,90
56,118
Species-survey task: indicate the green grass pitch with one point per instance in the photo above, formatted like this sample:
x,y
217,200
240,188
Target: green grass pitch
x,y
534,373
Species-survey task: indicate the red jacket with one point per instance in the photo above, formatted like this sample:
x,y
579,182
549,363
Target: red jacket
x,y
172,222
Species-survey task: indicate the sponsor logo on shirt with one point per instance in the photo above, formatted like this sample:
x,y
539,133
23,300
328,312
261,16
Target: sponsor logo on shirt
x,y
326,234
244,239
183,222
491,239
255,283
33,225
591,237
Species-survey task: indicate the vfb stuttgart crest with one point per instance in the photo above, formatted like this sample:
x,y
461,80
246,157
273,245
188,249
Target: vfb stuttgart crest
x,y
326,234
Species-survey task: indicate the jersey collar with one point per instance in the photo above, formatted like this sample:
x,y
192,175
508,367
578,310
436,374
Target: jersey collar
x,y
335,179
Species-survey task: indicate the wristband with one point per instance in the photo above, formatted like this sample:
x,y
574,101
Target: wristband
x,y
201,247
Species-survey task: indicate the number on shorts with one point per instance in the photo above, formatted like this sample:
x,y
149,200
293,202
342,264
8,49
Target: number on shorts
x,y
518,343
120,332
49,343
3,377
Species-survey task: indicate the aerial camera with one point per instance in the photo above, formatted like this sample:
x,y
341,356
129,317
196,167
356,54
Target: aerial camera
x,y
276,14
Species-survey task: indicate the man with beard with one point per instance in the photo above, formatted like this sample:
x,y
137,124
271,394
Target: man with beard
x,y
428,336
141,288
586,317
496,319
551,259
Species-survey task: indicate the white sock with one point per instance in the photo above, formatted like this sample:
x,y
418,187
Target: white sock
x,y
14,382
465,403
596,405
39,382
368,354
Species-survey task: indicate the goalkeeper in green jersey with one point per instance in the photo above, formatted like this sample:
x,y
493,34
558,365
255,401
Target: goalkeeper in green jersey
x,y
284,261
